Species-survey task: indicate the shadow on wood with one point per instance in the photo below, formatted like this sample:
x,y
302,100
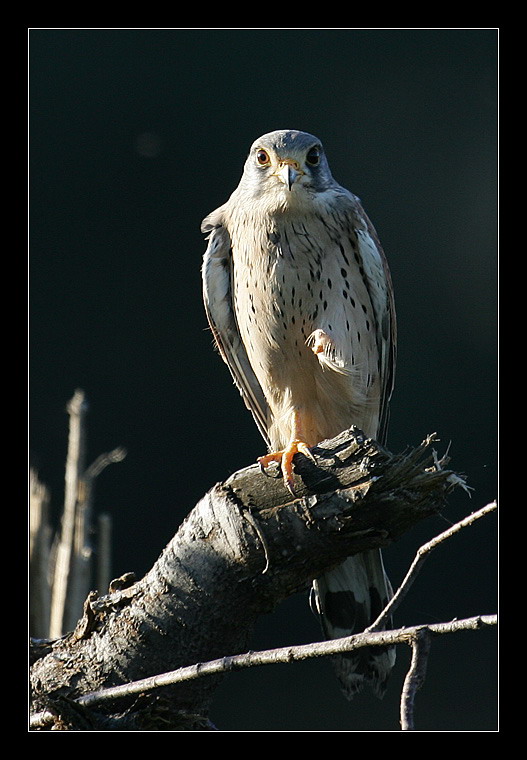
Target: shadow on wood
x,y
244,547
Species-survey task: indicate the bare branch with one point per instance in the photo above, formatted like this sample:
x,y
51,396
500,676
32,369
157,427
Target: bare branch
x,y
66,564
72,560
249,539
421,555
40,538
290,654
415,676
293,654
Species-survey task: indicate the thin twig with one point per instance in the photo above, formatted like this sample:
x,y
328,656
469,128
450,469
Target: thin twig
x,y
420,557
415,677
281,655
103,460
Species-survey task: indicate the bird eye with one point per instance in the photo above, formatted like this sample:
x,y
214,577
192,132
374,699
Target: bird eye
x,y
313,156
262,157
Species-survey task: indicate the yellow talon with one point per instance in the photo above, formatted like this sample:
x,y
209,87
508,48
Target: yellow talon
x,y
285,460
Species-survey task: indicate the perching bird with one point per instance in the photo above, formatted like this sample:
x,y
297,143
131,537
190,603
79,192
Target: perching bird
x,y
299,299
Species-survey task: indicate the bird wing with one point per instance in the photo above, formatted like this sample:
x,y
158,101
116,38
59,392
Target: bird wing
x,y
361,241
217,296
381,292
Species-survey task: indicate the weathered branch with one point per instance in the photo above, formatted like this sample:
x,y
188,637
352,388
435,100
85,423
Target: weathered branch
x,y
415,677
40,538
417,636
70,561
244,547
70,564
422,553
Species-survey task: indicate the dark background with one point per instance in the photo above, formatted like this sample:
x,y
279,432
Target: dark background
x,y
135,135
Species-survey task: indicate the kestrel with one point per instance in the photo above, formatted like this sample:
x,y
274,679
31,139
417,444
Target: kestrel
x,y
299,299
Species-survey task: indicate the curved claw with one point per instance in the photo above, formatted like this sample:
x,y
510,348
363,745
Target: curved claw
x,y
285,460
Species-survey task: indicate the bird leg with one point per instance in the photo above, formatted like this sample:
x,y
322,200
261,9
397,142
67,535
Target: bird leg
x,y
297,445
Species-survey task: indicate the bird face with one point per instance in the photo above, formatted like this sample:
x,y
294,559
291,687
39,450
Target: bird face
x,y
285,162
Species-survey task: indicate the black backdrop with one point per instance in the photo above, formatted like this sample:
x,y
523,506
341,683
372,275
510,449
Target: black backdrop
x,y
135,135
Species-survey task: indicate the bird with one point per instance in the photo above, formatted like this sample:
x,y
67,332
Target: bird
x,y
299,299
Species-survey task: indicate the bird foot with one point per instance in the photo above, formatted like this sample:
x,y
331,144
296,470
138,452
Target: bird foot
x,y
285,460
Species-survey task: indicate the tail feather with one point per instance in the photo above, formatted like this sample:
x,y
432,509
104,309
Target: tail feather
x,y
348,599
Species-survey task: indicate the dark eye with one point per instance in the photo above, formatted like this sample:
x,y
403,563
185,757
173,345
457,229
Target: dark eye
x,y
262,156
313,155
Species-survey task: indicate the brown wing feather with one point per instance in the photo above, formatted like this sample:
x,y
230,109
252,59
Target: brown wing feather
x,y
217,296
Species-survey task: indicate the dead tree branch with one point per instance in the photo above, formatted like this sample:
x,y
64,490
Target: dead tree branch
x,y
418,637
415,676
61,574
422,553
243,548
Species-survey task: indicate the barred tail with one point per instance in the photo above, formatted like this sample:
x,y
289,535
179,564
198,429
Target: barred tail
x,y
348,599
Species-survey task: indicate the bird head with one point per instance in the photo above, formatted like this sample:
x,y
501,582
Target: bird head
x,y
286,165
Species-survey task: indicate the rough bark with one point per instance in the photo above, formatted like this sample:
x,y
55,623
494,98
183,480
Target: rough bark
x,y
244,547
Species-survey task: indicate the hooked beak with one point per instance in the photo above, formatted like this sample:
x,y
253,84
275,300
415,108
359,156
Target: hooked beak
x,y
288,172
